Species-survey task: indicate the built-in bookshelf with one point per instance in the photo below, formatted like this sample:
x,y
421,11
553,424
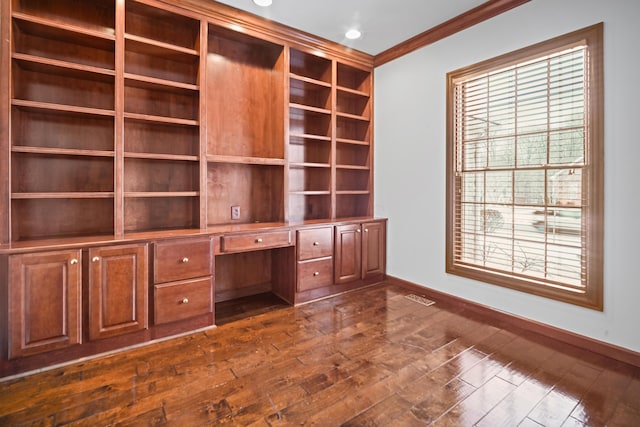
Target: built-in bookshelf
x,y
161,119
135,116
329,138
62,119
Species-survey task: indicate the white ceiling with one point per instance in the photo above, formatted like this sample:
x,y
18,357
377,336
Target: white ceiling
x,y
383,23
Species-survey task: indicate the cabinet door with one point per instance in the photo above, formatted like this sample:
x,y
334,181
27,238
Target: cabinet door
x,y
117,290
373,249
348,253
44,302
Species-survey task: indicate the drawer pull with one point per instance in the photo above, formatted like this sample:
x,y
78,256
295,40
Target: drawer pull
x,y
95,259
259,240
317,273
185,260
185,300
73,261
316,243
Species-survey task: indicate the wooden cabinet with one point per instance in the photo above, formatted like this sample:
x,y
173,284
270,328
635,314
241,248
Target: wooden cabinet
x,y
44,300
183,281
315,258
348,253
360,251
374,249
117,298
127,123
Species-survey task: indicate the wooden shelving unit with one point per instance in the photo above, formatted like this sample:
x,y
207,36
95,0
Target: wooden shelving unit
x,y
130,130
354,178
136,116
310,135
161,119
62,89
330,138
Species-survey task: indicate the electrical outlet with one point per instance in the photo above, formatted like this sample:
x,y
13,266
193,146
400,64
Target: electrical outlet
x,y
235,212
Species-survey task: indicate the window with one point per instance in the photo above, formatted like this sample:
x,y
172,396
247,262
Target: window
x,y
525,169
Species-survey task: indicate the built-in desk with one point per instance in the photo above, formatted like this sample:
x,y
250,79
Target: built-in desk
x,y
65,299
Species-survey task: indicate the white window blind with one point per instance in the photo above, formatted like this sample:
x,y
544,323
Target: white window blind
x,y
520,189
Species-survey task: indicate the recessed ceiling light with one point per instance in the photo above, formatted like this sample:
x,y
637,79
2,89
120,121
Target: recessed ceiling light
x,y
353,34
263,3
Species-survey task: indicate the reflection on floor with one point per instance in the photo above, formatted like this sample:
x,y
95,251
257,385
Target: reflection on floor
x,y
242,308
371,357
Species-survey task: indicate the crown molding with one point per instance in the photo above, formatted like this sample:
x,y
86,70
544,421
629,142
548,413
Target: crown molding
x,y
461,22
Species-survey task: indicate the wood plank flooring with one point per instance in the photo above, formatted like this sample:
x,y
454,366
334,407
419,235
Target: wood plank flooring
x,y
367,358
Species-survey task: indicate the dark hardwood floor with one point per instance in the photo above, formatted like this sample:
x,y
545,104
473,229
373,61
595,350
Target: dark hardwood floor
x,y
368,358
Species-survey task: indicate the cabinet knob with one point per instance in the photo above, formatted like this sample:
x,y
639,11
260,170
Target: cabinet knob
x,y
358,231
185,300
259,240
317,273
185,260
316,243
73,261
95,259
366,230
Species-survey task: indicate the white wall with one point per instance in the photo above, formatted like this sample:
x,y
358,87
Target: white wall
x,y
410,161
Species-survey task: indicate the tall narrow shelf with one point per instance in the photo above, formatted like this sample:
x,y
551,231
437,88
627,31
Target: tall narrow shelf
x,y
161,119
353,142
329,138
245,128
310,135
63,86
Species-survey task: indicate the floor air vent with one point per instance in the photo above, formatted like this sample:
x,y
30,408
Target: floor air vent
x,y
420,300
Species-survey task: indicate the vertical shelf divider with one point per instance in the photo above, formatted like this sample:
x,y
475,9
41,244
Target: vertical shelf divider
x,y
286,202
334,133
371,145
202,83
5,142
118,196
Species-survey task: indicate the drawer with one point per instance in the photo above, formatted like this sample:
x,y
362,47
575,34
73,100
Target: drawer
x,y
182,300
315,274
315,243
255,241
181,259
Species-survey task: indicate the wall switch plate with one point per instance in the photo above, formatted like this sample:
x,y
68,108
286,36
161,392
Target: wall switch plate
x,y
235,212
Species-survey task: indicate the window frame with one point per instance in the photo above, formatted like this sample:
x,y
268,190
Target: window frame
x,y
592,180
